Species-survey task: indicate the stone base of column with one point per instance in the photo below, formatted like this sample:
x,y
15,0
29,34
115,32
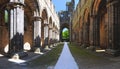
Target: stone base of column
x,y
113,52
92,48
57,44
47,48
54,44
17,55
83,46
51,46
37,50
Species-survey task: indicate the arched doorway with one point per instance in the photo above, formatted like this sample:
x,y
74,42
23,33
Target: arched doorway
x,y
29,21
100,24
103,35
65,34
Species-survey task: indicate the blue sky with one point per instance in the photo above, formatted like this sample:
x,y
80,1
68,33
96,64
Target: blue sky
x,y
65,29
61,4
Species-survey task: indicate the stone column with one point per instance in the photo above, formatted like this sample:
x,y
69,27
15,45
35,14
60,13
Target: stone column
x,y
113,9
116,25
84,34
110,25
96,37
90,34
37,34
50,36
46,34
16,9
81,35
46,38
91,38
53,35
37,31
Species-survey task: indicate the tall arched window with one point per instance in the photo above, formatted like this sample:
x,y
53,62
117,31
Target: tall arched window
x,y
6,16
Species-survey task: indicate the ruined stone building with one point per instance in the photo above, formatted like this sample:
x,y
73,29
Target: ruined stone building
x,y
27,24
96,23
65,18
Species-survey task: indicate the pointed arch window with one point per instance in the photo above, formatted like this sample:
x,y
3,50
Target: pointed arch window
x,y
6,16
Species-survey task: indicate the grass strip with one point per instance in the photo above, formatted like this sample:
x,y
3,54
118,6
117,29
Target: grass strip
x,y
49,58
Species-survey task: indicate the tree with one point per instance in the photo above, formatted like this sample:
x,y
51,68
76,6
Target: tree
x,y
65,34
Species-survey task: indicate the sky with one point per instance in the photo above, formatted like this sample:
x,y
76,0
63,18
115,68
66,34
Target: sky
x,y
65,29
61,4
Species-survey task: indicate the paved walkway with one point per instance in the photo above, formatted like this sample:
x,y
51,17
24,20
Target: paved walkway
x,y
66,60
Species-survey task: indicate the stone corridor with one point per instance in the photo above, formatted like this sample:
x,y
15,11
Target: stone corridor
x,y
32,30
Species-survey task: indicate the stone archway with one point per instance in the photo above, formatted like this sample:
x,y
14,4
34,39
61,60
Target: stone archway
x,y
100,24
102,19
65,25
30,20
45,27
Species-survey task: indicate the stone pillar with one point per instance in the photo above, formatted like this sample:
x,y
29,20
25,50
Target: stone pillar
x,y
46,34
81,35
84,34
113,9
53,36
50,33
37,31
110,11
16,9
46,38
116,25
91,31
37,34
50,36
96,32
113,22
58,36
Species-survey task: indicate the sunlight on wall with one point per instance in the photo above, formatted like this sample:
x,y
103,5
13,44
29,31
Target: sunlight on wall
x,y
6,49
27,46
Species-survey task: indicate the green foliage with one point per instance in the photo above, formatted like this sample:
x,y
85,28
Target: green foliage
x,y
82,53
6,16
65,34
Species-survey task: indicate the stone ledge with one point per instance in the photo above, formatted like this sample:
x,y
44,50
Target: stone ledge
x,y
113,52
17,55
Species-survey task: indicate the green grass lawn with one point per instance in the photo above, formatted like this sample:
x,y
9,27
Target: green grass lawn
x,y
49,58
80,52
